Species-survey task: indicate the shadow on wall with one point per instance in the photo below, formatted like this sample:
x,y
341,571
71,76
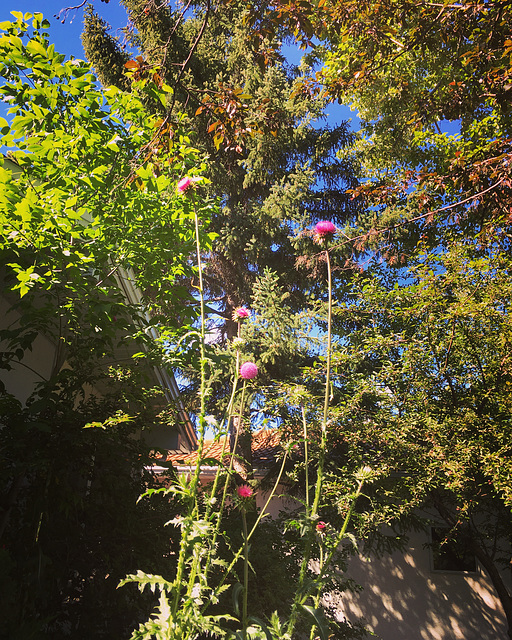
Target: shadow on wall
x,y
403,599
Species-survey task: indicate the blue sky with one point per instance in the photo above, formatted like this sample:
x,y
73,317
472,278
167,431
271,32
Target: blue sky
x,y
66,36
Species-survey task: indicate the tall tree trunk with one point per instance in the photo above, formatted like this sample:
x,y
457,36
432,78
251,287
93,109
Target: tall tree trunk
x,y
242,461
501,588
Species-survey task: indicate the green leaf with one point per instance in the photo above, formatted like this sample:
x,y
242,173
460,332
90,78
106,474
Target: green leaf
x,y
260,624
319,620
238,590
144,580
34,46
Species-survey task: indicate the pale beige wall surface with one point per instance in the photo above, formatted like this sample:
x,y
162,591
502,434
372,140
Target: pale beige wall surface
x,y
37,363
403,599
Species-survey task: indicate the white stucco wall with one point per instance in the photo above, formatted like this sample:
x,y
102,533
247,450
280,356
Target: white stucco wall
x,y
403,599
36,365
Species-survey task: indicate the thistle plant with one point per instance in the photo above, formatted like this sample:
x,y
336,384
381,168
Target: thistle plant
x,y
324,231
181,611
184,602
184,608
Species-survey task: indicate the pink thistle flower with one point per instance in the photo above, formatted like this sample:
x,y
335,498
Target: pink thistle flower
x,y
240,313
185,184
320,526
244,491
248,371
325,229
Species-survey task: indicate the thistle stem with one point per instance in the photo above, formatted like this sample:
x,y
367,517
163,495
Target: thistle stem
x,y
202,400
323,441
220,510
255,526
194,506
306,462
343,529
246,576
298,601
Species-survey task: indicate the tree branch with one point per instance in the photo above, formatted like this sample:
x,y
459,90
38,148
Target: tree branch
x,y
398,225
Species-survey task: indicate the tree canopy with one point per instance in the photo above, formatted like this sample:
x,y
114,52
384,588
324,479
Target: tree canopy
x,y
423,372
273,167
86,212
419,267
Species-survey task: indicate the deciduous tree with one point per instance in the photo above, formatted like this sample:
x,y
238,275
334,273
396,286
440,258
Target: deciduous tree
x,y
85,211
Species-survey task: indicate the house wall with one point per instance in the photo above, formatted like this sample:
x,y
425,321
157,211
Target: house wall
x,y
278,502
36,365
163,437
404,599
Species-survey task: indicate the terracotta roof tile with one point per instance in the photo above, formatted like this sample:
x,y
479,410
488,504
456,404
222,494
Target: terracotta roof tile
x,y
212,449
265,446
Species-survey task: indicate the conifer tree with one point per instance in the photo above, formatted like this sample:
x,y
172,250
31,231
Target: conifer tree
x,y
104,51
271,162
273,167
